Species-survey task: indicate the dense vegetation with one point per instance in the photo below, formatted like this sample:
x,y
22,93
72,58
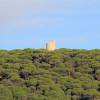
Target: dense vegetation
x,y
64,74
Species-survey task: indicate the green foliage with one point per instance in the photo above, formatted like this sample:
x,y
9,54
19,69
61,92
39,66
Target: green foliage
x,y
65,74
5,93
19,92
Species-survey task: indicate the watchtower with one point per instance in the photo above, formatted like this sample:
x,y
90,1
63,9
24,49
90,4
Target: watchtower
x,y
51,45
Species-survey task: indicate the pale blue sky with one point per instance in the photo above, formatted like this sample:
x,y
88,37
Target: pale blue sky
x,y
31,23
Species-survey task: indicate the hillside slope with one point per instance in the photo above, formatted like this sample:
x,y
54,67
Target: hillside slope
x,y
64,74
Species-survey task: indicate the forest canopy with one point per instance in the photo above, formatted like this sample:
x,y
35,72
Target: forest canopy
x,y
38,74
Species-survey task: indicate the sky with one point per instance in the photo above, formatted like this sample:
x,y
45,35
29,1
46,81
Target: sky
x,y
32,23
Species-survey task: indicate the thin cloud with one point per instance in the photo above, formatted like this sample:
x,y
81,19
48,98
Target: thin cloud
x,y
10,9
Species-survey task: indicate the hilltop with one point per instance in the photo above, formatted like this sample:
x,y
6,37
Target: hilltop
x,y
63,74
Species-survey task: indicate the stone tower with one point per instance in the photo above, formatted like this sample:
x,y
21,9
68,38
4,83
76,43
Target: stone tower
x,y
51,45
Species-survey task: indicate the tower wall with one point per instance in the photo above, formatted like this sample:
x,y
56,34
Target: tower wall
x,y
51,45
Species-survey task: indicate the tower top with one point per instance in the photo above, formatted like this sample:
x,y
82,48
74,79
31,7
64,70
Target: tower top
x,y
51,45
